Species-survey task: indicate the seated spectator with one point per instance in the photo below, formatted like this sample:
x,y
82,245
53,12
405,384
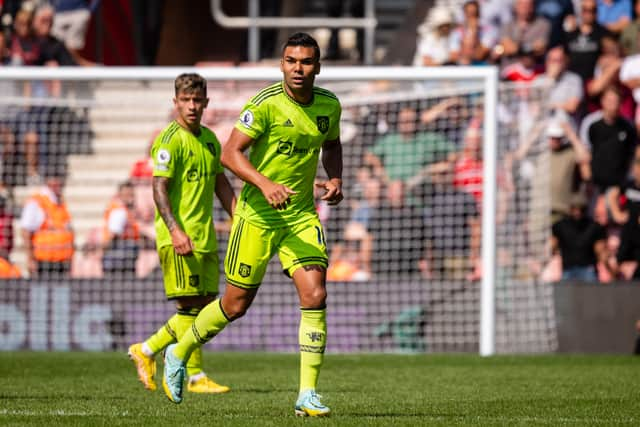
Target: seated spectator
x,y
51,49
566,91
584,43
435,44
556,12
401,155
527,31
70,25
612,141
471,39
46,229
25,48
122,239
581,242
629,38
451,228
615,15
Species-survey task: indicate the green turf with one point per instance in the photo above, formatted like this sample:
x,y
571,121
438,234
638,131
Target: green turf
x,y
379,390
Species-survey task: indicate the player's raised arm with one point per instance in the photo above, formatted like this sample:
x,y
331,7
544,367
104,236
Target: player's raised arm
x,y
332,163
181,242
233,158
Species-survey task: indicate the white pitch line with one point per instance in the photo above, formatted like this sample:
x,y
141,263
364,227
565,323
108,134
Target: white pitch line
x,y
61,413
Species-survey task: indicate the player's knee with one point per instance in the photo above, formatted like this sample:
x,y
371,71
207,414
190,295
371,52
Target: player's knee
x,y
235,313
235,309
314,298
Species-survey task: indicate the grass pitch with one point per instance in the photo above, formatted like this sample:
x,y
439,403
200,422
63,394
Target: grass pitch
x,y
364,390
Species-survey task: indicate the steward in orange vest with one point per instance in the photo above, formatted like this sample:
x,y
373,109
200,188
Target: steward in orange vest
x,y
47,230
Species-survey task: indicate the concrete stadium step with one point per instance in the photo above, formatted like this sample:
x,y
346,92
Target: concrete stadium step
x,y
115,146
91,176
98,163
141,112
142,130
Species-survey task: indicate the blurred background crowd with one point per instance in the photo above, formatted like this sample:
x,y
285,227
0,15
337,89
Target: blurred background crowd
x,y
415,160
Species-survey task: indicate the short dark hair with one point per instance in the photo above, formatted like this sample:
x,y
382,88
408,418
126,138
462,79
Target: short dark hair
x,y
190,82
125,184
470,3
303,39
612,89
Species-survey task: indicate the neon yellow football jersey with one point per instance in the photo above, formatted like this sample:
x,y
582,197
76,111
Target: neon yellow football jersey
x,y
288,137
192,163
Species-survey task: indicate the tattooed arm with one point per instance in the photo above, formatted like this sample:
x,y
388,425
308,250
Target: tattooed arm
x,y
182,244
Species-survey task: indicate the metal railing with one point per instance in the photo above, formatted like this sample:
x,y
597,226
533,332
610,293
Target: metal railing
x,y
254,22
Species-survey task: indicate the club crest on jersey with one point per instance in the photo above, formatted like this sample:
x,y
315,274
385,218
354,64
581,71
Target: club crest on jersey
x,y
323,123
246,118
194,280
244,270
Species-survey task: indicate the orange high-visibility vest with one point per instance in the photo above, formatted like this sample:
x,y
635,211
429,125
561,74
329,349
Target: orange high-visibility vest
x,y
8,270
131,230
53,242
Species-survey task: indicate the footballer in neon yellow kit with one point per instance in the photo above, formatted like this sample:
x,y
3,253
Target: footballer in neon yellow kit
x,y
288,126
186,174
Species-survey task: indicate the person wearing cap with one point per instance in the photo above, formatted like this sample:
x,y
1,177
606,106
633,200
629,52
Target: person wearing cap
x,y
568,164
581,242
46,229
436,42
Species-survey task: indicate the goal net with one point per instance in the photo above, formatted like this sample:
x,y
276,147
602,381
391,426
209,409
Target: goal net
x,y
428,252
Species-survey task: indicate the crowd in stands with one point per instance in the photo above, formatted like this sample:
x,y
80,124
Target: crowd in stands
x,y
422,164
37,137
586,54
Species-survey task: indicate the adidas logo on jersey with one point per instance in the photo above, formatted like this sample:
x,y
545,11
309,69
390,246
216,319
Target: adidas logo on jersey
x,y
288,124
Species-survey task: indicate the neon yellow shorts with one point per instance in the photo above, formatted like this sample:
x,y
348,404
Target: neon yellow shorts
x,y
251,247
185,276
